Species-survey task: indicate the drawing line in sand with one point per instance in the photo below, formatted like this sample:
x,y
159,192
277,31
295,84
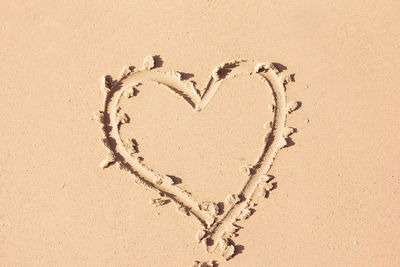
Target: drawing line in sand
x,y
217,231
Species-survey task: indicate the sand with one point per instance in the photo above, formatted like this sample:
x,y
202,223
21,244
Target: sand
x,y
200,133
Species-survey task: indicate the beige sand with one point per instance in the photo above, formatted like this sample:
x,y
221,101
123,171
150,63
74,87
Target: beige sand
x,y
267,172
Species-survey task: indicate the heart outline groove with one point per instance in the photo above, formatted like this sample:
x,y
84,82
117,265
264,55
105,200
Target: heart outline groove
x,y
216,232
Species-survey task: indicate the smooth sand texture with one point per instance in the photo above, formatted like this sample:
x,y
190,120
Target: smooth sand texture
x,y
335,197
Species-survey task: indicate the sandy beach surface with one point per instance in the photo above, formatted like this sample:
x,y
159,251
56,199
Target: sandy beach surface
x,y
240,133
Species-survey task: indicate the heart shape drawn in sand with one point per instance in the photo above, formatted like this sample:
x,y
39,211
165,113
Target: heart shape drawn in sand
x,y
217,230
